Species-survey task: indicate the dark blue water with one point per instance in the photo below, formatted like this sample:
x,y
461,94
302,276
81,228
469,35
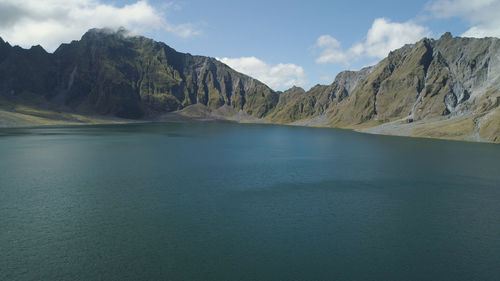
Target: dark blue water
x,y
215,201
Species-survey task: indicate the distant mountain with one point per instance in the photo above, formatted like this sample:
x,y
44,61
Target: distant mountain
x,y
446,88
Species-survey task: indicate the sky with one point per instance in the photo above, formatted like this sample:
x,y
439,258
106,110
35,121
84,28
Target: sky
x,y
281,43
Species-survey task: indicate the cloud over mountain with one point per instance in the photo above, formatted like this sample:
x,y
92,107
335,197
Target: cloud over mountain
x,y
382,37
51,22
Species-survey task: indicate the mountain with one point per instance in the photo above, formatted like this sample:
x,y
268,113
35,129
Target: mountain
x,y
112,73
298,106
445,88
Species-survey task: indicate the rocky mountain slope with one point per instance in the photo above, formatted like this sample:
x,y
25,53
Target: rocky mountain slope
x,y
111,73
445,88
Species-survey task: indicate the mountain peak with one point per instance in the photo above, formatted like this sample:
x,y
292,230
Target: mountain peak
x,y
3,42
446,36
296,89
38,48
120,32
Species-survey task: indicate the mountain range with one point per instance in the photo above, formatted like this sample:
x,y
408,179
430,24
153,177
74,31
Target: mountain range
x,y
446,88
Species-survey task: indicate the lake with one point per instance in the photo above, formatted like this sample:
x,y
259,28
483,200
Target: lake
x,y
222,201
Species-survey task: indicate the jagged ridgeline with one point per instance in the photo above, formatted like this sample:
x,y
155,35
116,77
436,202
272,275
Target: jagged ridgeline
x,y
446,88
111,73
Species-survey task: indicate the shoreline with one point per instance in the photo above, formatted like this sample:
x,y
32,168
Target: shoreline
x,y
176,117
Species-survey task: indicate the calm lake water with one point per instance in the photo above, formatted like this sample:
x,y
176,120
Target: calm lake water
x,y
219,201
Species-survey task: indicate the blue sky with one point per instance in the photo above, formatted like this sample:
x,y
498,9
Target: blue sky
x,y
282,43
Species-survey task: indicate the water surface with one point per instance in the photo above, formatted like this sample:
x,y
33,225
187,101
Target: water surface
x,y
218,201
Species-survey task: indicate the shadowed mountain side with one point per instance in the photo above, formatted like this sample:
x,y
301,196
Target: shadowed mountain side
x,y
111,73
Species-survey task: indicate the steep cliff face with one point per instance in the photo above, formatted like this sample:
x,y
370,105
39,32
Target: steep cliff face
x,y
25,73
111,73
446,88
450,79
389,90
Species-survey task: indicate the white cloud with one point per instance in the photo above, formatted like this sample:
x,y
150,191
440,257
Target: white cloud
x,y
451,8
51,22
482,15
383,36
279,77
331,50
